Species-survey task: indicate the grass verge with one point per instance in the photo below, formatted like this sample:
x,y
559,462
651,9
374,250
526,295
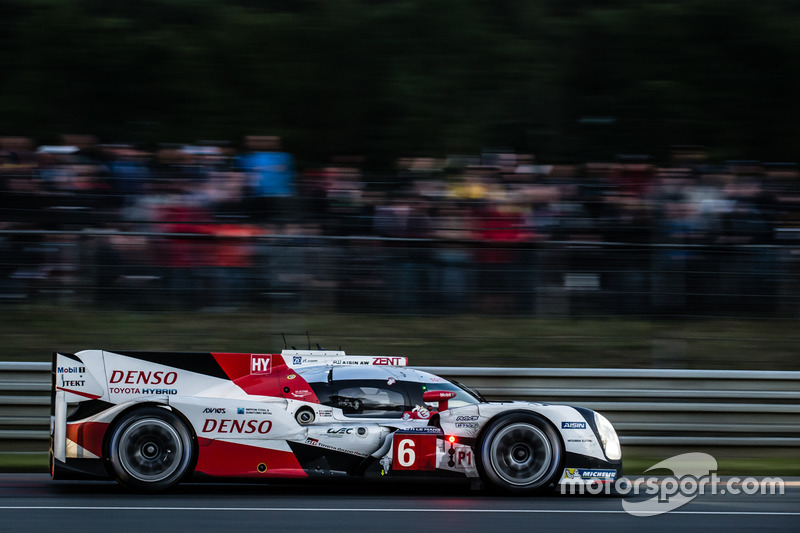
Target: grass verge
x,y
27,462
731,461
33,333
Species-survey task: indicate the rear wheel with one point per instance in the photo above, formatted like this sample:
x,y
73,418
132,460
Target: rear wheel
x,y
150,449
520,452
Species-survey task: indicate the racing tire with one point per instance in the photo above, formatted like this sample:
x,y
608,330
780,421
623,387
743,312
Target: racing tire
x,y
519,453
150,450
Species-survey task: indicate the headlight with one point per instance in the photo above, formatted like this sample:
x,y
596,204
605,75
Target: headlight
x,y
608,437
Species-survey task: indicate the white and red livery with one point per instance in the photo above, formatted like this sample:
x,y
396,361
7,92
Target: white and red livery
x,y
153,419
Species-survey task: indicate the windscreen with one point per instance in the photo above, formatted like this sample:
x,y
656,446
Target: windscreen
x,y
463,397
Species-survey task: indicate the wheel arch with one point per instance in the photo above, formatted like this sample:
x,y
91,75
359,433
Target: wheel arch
x,y
137,406
544,418
496,419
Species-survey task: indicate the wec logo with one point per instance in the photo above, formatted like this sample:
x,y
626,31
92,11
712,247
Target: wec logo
x,y
339,432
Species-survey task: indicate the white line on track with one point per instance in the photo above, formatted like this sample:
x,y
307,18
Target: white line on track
x,y
373,510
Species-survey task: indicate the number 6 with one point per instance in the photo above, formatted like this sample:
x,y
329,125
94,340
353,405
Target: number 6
x,y
405,453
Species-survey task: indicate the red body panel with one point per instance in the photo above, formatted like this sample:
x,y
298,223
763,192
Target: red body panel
x,y
228,459
265,375
414,452
88,435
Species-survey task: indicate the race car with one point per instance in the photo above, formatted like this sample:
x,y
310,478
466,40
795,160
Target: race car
x,y
151,420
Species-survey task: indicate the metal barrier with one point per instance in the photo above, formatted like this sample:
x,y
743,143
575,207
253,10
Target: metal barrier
x,y
24,407
218,268
648,407
660,407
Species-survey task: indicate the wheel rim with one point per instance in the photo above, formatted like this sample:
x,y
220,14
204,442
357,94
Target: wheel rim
x,y
520,454
150,449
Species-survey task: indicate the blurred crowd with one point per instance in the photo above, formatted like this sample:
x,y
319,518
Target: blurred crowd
x,y
213,224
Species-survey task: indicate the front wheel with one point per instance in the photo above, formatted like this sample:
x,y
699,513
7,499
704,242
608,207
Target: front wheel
x,y
520,452
150,449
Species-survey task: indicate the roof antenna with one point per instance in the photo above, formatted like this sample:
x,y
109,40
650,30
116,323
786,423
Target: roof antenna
x,y
309,340
284,340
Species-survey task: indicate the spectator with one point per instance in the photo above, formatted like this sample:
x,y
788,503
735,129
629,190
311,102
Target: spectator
x,y
271,175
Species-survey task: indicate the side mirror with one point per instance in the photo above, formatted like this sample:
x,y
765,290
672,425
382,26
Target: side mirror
x,y
441,396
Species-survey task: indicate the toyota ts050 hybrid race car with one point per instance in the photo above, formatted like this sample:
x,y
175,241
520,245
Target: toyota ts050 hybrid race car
x,y
153,419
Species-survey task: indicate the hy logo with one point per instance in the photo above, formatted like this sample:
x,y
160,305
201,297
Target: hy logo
x,y
260,363
693,465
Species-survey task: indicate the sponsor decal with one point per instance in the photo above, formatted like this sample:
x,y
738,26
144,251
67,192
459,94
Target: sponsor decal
x,y
260,363
135,390
252,411
422,429
391,361
463,418
319,444
301,393
72,382
580,440
242,427
216,410
418,413
297,360
291,376
125,390
467,425
589,474
339,432
573,425
325,413
349,362
138,377
71,370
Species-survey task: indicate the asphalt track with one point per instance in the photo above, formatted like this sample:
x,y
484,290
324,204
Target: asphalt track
x,y
32,503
